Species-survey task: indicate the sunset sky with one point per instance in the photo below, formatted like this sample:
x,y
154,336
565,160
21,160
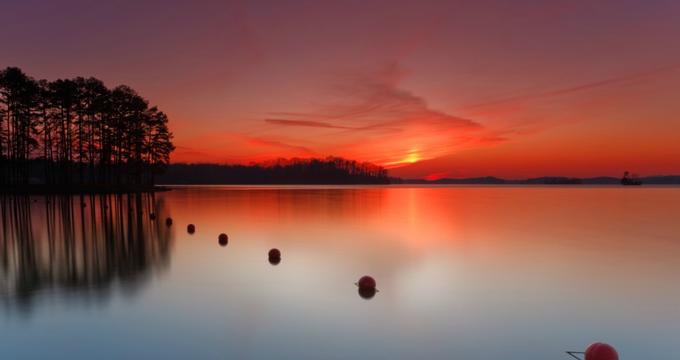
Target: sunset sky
x,y
426,88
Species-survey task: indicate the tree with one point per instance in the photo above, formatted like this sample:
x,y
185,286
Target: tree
x,y
79,127
18,94
158,145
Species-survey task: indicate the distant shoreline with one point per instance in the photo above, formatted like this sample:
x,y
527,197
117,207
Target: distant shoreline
x,y
547,180
488,180
104,190
74,189
403,184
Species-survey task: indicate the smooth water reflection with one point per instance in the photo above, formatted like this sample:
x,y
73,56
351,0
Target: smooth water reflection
x,y
463,273
79,248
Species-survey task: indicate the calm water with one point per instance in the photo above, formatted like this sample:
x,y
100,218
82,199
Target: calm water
x,y
463,273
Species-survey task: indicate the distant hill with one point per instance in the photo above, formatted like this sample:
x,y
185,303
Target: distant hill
x,y
662,180
547,180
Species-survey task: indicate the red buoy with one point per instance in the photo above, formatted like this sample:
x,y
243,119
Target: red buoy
x,y
223,239
191,228
601,351
274,254
366,282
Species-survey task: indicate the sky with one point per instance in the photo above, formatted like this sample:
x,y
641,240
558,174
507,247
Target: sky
x,y
425,88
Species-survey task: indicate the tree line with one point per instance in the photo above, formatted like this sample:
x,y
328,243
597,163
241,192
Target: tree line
x,y
77,131
331,170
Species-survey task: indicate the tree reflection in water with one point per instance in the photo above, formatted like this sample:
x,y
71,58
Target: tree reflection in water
x,y
79,246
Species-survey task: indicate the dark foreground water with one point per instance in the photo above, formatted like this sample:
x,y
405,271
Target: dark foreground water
x,y
463,273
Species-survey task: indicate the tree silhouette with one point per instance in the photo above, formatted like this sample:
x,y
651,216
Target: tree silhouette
x,y
83,251
18,94
77,131
331,170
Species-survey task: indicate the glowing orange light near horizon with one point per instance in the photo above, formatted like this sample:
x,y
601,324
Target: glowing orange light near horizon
x,y
411,157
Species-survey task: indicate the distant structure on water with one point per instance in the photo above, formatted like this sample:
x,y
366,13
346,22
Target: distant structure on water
x,y
628,179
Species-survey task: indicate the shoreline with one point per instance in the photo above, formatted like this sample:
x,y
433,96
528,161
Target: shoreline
x,y
80,189
129,189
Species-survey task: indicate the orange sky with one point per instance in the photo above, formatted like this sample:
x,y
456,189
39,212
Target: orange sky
x,y
456,88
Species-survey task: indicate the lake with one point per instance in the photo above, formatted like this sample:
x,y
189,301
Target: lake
x,y
463,272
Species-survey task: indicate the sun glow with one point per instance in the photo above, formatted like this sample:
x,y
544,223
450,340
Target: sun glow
x,y
412,157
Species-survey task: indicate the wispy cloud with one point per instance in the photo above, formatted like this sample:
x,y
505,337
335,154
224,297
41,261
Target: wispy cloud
x,y
280,145
370,116
305,123
577,88
325,125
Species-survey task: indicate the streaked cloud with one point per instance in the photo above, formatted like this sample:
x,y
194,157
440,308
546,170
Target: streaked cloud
x,y
304,123
579,88
280,145
371,116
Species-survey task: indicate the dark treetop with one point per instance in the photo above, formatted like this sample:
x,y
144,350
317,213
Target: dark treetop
x,y
78,133
331,170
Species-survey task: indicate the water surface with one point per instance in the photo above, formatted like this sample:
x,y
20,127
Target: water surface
x,y
463,273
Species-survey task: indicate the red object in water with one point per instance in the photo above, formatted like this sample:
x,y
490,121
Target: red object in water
x,y
366,282
601,351
274,254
